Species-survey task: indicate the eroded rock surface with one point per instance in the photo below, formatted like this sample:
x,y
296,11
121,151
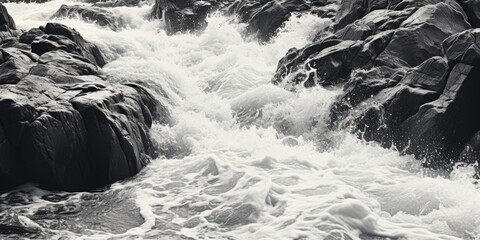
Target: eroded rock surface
x,y
61,124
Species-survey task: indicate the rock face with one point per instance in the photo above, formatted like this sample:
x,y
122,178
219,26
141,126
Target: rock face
x,y
409,72
99,16
61,124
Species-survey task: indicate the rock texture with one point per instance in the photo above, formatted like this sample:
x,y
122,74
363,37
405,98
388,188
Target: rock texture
x,y
97,15
263,18
61,124
409,72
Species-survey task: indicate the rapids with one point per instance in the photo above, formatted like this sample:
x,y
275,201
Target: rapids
x,y
243,159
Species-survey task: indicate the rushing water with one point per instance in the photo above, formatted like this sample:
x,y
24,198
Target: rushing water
x,y
243,159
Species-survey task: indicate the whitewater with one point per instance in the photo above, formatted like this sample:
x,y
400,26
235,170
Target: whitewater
x,y
243,158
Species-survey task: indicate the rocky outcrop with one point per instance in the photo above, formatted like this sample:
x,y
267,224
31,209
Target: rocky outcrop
x,y
61,124
99,16
408,71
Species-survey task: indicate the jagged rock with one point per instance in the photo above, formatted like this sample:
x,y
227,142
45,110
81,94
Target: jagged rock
x,y
373,23
440,129
331,62
463,48
6,21
29,36
61,125
47,43
88,50
472,9
92,14
379,117
79,136
182,16
62,67
264,18
15,64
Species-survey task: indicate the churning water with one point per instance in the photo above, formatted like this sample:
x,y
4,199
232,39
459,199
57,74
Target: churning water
x,y
243,159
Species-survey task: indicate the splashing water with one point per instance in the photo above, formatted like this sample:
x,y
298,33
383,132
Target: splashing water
x,y
243,159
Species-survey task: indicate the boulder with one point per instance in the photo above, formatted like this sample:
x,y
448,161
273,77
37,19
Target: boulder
x,y
441,129
472,9
6,21
182,16
99,16
330,62
79,136
15,64
61,124
264,18
87,49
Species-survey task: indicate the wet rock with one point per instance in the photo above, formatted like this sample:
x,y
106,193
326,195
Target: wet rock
x,y
379,117
90,14
182,16
6,21
472,9
61,125
87,49
264,18
441,128
15,64
463,48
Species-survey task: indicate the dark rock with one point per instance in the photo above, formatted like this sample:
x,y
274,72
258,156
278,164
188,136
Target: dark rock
x,y
91,14
87,49
349,11
6,21
472,9
380,117
264,18
330,62
61,125
79,137
30,35
463,48
47,43
15,64
182,16
440,129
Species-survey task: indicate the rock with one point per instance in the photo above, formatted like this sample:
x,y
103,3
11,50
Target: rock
x,y
62,67
440,129
15,64
80,136
29,36
182,16
463,48
47,43
6,21
330,62
373,23
91,14
472,9
87,49
349,11
264,18
380,117
61,124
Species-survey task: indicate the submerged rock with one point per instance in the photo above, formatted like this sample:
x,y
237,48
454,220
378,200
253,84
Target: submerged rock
x,y
61,125
99,16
